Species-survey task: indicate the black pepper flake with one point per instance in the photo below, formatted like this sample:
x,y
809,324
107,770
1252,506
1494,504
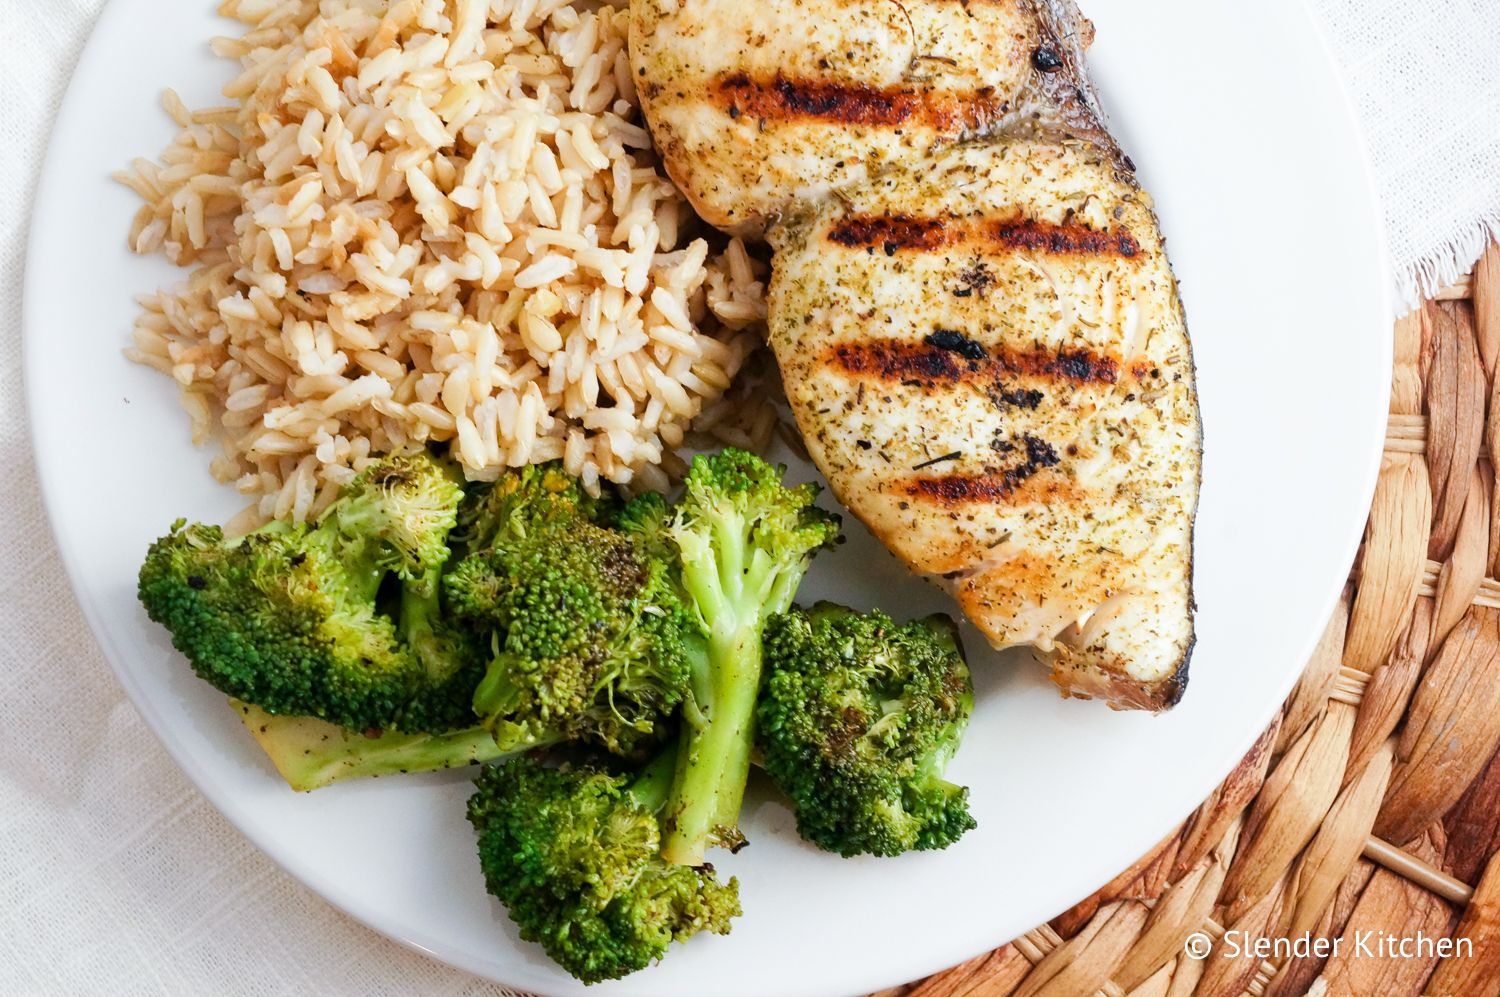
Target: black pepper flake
x,y
297,559
863,444
197,582
734,112
890,248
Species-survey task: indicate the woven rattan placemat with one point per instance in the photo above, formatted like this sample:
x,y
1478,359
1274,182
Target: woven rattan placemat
x,y
1353,849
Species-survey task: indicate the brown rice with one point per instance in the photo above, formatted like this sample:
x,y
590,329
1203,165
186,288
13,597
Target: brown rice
x,y
432,221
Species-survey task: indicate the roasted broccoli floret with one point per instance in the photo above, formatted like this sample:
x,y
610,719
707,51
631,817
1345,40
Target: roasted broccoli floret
x,y
857,723
588,640
743,542
338,619
523,502
573,854
311,753
584,621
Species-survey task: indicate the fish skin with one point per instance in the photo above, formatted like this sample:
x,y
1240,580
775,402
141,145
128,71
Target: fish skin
x,y
979,332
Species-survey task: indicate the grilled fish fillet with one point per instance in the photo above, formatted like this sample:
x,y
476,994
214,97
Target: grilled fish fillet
x,y
757,106
977,326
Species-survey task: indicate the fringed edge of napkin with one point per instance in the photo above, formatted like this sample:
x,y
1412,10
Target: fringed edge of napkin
x,y
1445,264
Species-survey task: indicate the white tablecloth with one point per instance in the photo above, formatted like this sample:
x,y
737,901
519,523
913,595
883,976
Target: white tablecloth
x,y
117,878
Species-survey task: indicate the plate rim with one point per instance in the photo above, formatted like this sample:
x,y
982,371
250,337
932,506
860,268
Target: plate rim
x,y
220,795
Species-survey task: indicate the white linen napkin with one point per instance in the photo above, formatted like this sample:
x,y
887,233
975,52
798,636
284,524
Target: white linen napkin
x,y
1424,76
117,877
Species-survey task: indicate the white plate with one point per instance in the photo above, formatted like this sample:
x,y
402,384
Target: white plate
x,y
1241,131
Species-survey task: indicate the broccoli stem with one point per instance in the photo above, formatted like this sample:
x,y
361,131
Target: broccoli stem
x,y
419,608
495,696
714,763
744,540
311,753
652,786
735,594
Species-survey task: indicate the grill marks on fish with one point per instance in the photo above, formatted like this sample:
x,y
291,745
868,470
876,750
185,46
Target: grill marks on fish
x,y
782,99
956,342
940,359
947,356
993,485
894,233
1065,240
779,99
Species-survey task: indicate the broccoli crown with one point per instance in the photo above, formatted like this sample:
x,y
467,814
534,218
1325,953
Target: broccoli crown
x,y
587,631
293,619
523,502
857,722
648,516
573,855
396,516
746,538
